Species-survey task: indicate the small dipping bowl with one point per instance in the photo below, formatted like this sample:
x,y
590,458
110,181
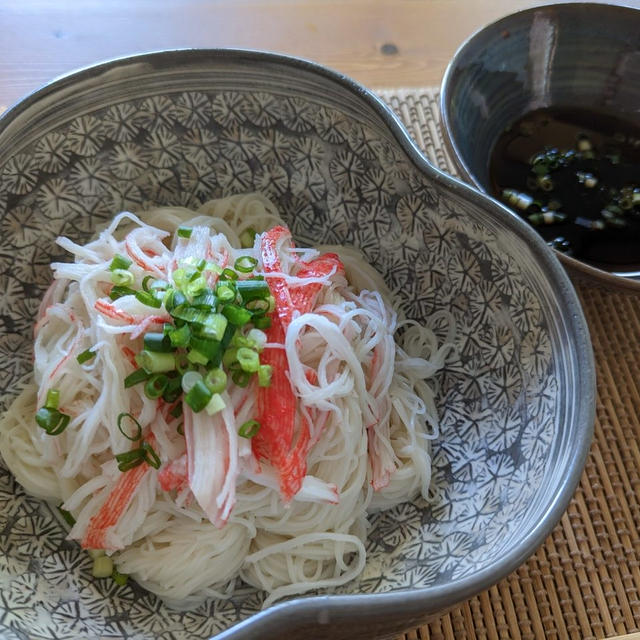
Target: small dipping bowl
x,y
578,55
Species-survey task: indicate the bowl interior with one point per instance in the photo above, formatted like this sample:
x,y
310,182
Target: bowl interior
x,y
578,54
515,400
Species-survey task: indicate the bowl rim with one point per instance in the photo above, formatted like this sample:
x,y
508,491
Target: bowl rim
x,y
629,282
418,604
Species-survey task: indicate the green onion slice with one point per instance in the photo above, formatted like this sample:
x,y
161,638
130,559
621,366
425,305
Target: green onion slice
x,y
156,362
129,459
216,380
137,434
247,238
66,515
53,399
236,315
149,299
157,342
249,429
156,386
52,421
150,456
139,375
184,232
85,356
245,264
198,396
120,262
248,359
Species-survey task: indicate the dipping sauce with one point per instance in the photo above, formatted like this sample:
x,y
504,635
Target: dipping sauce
x,y
574,174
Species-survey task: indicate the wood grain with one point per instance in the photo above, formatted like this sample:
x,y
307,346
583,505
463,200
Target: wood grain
x,y
381,43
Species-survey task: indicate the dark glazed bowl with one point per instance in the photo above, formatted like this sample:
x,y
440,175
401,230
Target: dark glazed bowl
x,y
516,401
578,54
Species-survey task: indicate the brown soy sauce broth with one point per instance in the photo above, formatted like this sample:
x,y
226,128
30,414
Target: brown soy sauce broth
x,y
574,174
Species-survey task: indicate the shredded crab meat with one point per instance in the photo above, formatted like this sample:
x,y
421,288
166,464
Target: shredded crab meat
x,y
344,423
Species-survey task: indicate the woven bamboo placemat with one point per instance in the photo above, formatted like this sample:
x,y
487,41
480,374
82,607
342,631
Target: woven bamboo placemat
x,y
584,582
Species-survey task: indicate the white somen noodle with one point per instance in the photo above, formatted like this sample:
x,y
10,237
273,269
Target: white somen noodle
x,y
221,507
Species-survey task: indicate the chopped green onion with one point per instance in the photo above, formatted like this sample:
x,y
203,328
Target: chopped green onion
x,y
209,348
120,262
228,274
198,397
156,362
85,356
215,404
139,375
236,315
53,399
229,357
189,379
66,516
157,342
96,553
150,456
205,300
137,434
248,359
264,375
129,459
225,293
149,299
189,314
180,337
247,238
229,332
173,390
241,378
196,286
259,305
156,385
182,363
262,322
184,232
173,299
214,326
180,428
249,429
257,338
245,264
253,289
102,567
156,285
216,380
118,291
122,277
52,421
196,357
119,578
176,412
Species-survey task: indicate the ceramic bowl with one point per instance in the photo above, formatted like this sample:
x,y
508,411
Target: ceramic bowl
x,y
578,54
516,400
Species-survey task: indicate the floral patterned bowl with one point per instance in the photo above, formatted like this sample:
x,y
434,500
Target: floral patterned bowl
x,y
516,401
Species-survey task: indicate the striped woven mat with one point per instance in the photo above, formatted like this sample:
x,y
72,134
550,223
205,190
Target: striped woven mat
x,y
584,582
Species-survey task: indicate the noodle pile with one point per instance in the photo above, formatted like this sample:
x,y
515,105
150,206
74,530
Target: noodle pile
x,y
220,506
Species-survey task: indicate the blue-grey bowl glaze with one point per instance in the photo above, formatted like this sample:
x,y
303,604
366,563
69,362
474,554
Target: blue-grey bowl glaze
x,y
516,400
578,54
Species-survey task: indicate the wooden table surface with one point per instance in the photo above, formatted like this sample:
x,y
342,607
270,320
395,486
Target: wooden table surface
x,y
380,43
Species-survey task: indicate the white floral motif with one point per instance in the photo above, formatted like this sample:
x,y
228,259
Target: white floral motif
x,y
262,109
86,135
89,177
19,174
52,152
23,225
192,109
121,122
